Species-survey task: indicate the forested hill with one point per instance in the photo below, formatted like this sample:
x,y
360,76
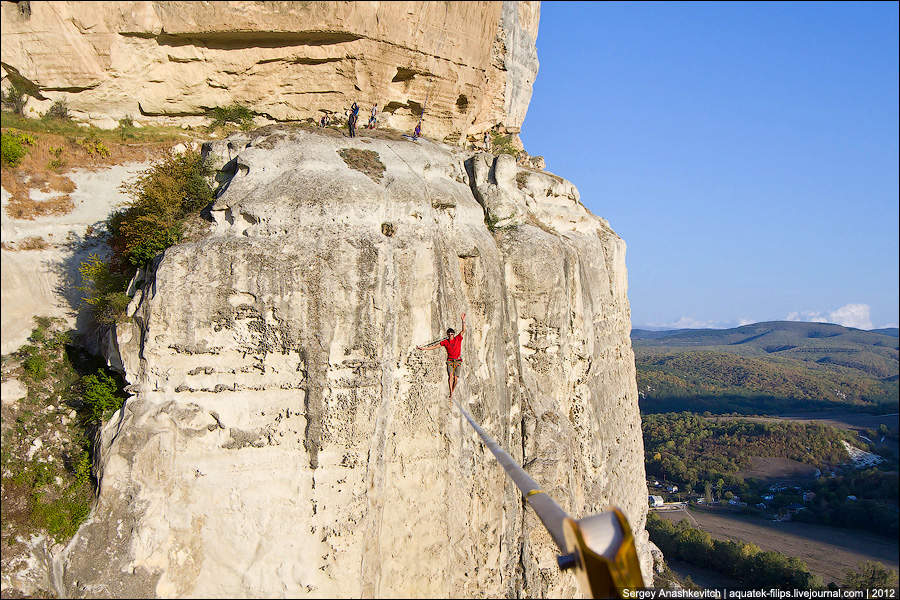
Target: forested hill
x,y
891,331
767,367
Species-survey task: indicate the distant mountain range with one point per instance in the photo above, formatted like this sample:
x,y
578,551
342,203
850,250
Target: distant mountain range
x,y
766,367
891,331
649,329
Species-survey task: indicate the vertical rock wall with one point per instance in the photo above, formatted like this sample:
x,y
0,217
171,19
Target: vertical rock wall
x,y
473,62
285,438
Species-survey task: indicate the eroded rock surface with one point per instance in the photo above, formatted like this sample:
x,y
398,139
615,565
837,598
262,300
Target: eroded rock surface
x,y
287,439
474,62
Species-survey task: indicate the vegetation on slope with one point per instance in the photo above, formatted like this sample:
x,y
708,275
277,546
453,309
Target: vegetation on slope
x,y
874,508
870,576
39,153
235,113
47,437
692,451
766,368
162,199
775,337
66,128
706,456
752,567
722,382
746,563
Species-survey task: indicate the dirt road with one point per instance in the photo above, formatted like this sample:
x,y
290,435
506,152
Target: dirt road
x,y
828,551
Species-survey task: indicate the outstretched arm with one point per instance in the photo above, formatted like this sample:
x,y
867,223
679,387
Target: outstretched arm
x,y
463,330
431,347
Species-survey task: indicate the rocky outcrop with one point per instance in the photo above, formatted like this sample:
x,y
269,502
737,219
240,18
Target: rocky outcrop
x,y
472,62
285,437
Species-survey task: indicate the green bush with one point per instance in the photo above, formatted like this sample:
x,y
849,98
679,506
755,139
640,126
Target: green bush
x,y
61,516
100,394
234,113
15,99
870,575
12,148
490,220
94,146
152,237
57,162
39,333
35,366
82,467
126,128
104,290
502,144
160,199
58,111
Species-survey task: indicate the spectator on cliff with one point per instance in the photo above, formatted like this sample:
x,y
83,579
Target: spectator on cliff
x,y
487,142
352,119
373,120
453,344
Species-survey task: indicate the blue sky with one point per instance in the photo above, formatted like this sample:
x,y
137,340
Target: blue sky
x,y
746,152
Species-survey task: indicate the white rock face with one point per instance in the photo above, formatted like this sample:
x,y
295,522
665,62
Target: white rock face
x,y
467,65
287,439
11,391
860,458
42,282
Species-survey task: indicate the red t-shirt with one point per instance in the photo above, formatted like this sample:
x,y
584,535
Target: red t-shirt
x,y
453,346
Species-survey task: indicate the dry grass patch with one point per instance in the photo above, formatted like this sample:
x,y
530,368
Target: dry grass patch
x,y
521,179
34,242
382,134
364,161
195,228
531,219
335,131
51,157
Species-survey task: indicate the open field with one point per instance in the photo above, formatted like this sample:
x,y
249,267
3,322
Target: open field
x,y
782,469
849,421
828,551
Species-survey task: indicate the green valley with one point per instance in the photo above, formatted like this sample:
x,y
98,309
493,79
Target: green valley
x,y
767,368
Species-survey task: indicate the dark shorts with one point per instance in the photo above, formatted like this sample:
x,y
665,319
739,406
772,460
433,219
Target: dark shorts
x,y
453,366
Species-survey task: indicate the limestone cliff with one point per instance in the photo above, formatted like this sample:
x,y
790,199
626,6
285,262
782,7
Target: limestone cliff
x,y
474,62
285,437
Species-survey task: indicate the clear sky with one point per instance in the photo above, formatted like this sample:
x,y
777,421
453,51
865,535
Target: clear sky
x,y
746,152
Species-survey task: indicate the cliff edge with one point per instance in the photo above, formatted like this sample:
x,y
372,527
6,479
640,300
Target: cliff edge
x,y
285,437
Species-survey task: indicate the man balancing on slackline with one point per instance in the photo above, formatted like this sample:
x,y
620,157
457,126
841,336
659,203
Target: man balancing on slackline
x,y
453,344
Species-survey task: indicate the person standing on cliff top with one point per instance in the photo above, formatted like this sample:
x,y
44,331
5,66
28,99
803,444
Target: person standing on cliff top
x,y
453,344
351,122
